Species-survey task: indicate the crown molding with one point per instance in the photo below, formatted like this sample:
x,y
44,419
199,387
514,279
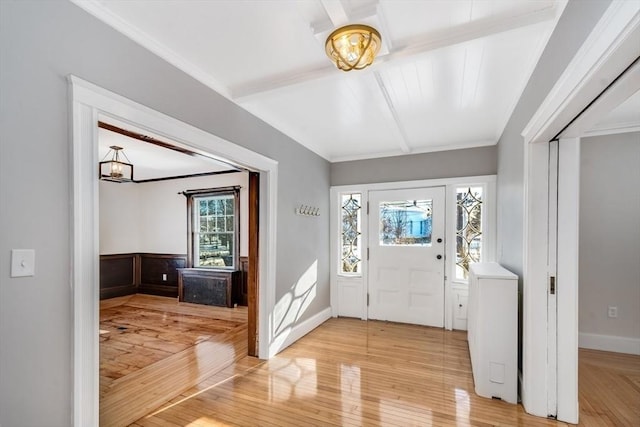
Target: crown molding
x,y
148,42
422,150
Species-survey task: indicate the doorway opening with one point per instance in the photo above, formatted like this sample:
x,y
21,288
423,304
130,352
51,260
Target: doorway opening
x,y
173,275
91,104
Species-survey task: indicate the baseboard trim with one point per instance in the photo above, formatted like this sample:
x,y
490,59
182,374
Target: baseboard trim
x,y
609,343
289,336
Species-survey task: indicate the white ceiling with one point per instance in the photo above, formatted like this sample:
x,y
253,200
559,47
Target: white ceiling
x,y
449,77
152,161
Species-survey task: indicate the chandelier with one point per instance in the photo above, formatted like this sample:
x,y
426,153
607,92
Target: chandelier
x,y
353,47
115,169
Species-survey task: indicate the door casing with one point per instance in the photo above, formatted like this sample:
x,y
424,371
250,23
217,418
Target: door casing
x,y
88,104
357,284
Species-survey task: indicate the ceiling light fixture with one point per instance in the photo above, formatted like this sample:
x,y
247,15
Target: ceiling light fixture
x,y
116,170
353,47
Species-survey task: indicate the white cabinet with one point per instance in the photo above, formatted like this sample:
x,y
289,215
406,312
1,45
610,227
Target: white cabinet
x,y
492,331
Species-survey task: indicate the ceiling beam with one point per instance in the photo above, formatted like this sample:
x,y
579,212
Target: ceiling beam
x,y
403,50
466,32
145,138
402,142
162,144
366,12
336,11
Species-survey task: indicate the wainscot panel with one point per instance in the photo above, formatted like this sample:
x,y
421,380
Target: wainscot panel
x,y
159,273
118,275
145,273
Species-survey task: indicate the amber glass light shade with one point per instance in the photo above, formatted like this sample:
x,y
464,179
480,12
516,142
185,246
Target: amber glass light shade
x,y
353,47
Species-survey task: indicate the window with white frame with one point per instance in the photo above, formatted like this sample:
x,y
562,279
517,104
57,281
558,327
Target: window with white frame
x,y
351,244
469,237
213,228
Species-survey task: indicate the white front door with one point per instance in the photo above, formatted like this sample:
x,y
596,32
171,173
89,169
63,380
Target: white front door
x,y
406,255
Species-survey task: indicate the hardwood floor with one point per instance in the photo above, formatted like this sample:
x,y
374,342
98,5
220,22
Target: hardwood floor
x,y
345,373
154,348
352,373
609,388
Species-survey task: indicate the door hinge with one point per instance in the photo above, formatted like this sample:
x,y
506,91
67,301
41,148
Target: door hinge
x,y
552,285
367,208
367,254
367,300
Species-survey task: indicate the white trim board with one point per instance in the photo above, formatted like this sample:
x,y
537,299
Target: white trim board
x,y
413,184
567,283
301,329
628,128
608,50
617,93
421,150
90,103
609,343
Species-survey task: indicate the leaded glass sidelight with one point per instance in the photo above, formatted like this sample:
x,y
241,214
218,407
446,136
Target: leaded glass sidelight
x,y
351,245
468,229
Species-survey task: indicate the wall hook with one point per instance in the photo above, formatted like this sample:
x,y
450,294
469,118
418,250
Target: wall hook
x,y
305,210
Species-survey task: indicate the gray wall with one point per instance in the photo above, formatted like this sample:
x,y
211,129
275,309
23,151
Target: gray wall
x,y
610,234
575,24
40,44
441,164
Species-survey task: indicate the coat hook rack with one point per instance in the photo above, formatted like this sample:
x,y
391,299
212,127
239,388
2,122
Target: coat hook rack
x,y
305,210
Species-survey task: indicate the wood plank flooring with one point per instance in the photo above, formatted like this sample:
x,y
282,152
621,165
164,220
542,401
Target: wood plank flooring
x,y
609,391
154,348
345,373
353,373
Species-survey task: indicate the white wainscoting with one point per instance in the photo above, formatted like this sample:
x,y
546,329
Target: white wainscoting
x,y
351,297
301,329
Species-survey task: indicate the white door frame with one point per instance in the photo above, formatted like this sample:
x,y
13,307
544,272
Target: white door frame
x,y
552,301
89,103
609,49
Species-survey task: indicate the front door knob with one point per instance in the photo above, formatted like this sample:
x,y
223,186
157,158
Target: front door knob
x,y
439,257
439,240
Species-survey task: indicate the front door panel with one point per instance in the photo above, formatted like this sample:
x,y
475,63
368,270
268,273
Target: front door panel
x,y
406,255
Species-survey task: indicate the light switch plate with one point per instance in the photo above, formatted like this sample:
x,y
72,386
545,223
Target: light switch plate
x,y
23,262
